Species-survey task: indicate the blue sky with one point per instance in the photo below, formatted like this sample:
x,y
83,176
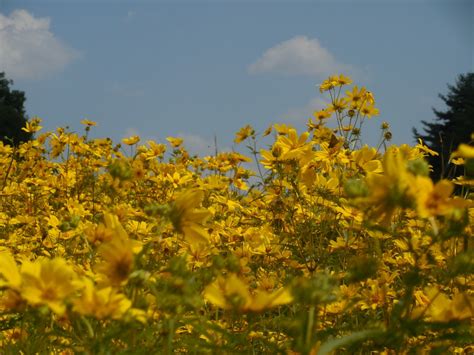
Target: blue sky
x,y
202,68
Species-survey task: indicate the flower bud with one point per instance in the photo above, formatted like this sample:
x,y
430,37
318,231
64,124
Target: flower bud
x,y
418,167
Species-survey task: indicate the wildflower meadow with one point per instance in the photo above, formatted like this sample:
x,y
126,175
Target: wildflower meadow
x,y
294,243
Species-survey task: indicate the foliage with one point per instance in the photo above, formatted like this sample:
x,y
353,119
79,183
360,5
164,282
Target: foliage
x,y
451,128
332,246
12,114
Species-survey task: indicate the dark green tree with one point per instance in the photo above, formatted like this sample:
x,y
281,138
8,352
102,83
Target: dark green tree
x,y
12,114
451,127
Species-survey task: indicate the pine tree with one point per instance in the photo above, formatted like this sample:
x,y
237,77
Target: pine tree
x,y
451,127
12,114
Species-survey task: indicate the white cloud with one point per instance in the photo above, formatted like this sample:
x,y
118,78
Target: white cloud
x,y
198,145
302,114
28,49
299,56
201,146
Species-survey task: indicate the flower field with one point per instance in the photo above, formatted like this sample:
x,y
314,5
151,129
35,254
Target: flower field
x,y
311,244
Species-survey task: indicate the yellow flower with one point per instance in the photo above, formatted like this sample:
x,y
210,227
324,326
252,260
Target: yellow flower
x,y
343,80
177,179
155,151
322,114
11,300
232,292
343,243
435,200
175,142
187,218
328,84
139,171
441,308
9,271
334,81
99,234
366,158
117,261
281,128
369,97
117,253
131,140
58,143
375,295
48,282
88,123
356,96
264,300
420,298
244,133
268,131
369,110
421,146
101,303
227,293
465,151
113,224
32,126
294,147
338,105
390,190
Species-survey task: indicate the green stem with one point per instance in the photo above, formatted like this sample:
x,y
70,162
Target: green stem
x,y
171,335
309,327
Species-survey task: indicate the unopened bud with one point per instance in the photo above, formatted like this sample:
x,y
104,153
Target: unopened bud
x,y
418,167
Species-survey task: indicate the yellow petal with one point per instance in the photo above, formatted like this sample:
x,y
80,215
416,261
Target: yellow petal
x,y
9,270
214,294
194,234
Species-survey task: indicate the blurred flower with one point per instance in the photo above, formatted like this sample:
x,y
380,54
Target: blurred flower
x,y
9,271
131,140
232,292
117,261
101,303
440,308
188,218
48,282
